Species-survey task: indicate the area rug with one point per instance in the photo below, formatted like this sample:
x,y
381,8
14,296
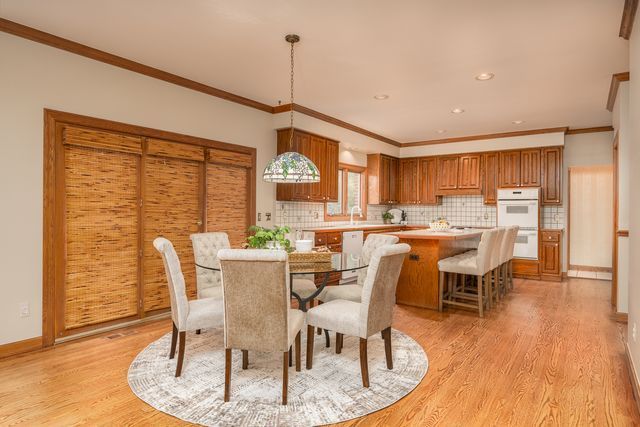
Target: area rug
x,y
329,393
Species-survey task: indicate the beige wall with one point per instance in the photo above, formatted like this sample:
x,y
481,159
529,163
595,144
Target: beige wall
x,y
634,208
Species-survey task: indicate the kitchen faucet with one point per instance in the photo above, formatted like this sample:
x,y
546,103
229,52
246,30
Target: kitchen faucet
x,y
359,213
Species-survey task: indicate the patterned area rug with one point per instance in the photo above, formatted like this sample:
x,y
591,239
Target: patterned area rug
x,y
329,393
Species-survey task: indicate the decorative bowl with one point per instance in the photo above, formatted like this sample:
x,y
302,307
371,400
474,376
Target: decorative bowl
x,y
304,245
439,226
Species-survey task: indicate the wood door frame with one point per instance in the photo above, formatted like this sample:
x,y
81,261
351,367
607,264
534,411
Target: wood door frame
x,y
53,195
364,185
616,207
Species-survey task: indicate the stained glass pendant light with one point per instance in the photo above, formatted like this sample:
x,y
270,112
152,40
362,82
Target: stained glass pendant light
x,y
291,167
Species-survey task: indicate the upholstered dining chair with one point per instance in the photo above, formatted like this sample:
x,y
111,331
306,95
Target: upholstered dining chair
x,y
496,262
186,315
506,255
257,317
353,292
205,251
370,316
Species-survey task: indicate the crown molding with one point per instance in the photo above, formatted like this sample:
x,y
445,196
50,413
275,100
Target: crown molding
x,y
628,16
590,130
616,79
486,136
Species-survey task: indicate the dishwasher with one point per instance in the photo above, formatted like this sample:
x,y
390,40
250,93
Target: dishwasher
x,y
352,242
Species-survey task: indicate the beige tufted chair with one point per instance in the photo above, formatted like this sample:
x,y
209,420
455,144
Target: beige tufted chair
x,y
205,251
257,317
507,256
353,292
186,315
363,319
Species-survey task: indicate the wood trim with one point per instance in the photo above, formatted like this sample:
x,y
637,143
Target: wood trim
x,y
334,121
616,202
628,16
633,375
18,347
590,268
568,218
620,317
616,79
53,205
487,136
48,39
590,130
363,193
623,233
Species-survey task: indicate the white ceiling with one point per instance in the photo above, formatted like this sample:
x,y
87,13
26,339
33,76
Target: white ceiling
x,y
552,59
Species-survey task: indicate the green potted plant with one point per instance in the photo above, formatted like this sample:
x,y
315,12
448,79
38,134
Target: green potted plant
x,y
269,238
387,217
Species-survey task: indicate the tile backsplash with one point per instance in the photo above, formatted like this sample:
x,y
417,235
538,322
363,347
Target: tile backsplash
x,y
458,210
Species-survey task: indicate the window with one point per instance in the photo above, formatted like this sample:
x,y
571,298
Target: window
x,y
351,192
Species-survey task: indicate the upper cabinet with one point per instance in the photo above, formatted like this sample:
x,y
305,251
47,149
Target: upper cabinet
x,y
428,181
323,152
530,168
383,180
509,169
459,174
520,168
552,176
490,178
408,181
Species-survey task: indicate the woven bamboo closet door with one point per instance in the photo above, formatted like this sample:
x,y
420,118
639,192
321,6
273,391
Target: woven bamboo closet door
x,y
172,206
228,193
100,276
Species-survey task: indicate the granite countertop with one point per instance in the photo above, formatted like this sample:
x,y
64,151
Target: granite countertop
x,y
426,234
348,227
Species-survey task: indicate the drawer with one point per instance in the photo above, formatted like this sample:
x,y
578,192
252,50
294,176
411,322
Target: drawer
x,y
551,236
335,248
321,239
334,238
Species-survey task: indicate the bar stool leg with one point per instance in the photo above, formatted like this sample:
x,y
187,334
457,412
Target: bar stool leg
x,y
441,290
479,280
488,288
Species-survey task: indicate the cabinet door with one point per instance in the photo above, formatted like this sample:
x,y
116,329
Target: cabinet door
x,y
552,176
331,172
469,175
317,154
383,179
550,258
408,181
448,173
530,168
394,168
509,175
302,144
490,184
428,173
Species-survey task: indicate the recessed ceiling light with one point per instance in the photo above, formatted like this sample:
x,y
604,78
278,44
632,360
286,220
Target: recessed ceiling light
x,y
457,111
485,76
381,97
517,122
441,131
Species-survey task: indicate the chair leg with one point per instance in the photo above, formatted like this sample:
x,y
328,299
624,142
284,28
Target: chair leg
x,y
182,337
364,363
510,273
198,331
310,338
227,374
496,280
174,341
488,288
339,338
298,351
441,290
386,333
290,355
285,376
480,297
245,359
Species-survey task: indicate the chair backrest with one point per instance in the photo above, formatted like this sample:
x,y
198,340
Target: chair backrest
x,y
205,252
496,250
373,242
487,242
256,297
175,280
508,243
379,290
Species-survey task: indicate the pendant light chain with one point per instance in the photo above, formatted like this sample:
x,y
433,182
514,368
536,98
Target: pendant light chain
x,y
291,113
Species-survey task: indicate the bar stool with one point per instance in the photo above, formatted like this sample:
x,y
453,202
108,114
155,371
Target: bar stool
x,y
473,263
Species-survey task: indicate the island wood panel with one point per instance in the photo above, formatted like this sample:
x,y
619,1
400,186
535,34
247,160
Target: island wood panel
x,y
490,178
101,241
228,201
172,209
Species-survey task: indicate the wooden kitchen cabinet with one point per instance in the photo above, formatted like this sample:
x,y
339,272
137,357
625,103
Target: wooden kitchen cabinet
x,y
382,180
552,176
469,175
550,253
490,178
509,169
323,152
530,168
408,181
428,181
448,173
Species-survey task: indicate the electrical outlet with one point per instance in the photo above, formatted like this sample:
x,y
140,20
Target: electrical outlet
x,y
633,332
268,215
24,310
259,216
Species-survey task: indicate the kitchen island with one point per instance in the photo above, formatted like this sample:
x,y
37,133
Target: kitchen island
x,y
418,283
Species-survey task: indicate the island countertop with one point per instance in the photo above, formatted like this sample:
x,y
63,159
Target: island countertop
x,y
427,234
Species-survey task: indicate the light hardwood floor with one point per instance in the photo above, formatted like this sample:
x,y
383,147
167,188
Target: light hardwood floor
x,y
550,354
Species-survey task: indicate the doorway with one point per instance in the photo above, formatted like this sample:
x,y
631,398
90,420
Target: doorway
x,y
590,222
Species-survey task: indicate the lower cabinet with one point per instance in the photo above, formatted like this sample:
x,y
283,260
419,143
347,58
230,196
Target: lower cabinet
x,y
550,255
